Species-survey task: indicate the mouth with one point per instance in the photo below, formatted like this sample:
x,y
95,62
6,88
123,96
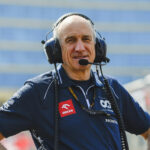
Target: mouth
x,y
80,57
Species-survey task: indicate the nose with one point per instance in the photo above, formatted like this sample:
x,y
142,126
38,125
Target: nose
x,y
79,46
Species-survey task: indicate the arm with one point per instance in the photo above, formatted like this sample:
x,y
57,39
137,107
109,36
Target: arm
x,y
1,136
1,146
146,134
14,116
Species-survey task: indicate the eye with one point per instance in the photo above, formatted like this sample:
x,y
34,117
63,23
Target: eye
x,y
70,39
86,38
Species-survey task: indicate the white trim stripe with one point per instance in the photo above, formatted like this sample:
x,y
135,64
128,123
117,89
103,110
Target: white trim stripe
x,y
15,45
25,23
47,25
105,5
24,69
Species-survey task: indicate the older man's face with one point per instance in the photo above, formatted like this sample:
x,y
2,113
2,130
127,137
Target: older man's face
x,y
77,42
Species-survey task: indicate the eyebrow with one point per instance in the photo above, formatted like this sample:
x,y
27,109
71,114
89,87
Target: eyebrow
x,y
69,37
89,36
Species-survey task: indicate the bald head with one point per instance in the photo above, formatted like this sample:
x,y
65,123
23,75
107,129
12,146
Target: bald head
x,y
72,22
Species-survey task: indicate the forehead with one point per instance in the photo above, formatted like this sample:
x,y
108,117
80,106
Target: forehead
x,y
73,25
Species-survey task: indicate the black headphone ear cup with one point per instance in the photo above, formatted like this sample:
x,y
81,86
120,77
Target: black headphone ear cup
x,y
53,51
58,53
100,50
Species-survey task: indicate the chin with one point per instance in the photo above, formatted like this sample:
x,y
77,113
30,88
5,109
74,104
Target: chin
x,y
80,67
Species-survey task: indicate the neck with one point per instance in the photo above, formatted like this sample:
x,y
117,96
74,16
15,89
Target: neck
x,y
78,74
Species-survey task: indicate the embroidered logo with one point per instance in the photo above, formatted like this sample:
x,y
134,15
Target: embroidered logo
x,y
105,104
111,121
66,108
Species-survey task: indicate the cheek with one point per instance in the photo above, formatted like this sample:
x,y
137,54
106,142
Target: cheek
x,y
93,53
66,54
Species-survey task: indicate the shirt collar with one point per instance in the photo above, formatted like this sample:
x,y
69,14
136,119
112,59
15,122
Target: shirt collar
x,y
64,80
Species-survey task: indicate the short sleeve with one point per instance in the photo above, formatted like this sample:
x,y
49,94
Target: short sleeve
x,y
16,113
136,120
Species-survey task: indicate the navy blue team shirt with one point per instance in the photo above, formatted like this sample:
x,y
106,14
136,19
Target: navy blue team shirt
x,y
32,108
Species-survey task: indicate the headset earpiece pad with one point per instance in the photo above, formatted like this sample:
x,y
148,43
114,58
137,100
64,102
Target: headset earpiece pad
x,y
100,49
53,51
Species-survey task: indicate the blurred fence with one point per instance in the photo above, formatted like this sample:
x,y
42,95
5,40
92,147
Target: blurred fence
x,y
140,90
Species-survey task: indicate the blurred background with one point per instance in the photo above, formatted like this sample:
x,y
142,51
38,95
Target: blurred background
x,y
125,24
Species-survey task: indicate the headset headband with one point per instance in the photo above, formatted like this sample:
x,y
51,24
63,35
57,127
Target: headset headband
x,y
62,18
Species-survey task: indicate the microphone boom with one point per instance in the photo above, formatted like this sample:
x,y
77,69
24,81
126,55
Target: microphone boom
x,y
83,62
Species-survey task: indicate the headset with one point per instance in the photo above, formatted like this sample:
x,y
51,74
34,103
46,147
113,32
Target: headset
x,y
53,49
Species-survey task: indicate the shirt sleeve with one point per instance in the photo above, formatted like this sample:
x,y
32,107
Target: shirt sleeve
x,y
136,120
16,113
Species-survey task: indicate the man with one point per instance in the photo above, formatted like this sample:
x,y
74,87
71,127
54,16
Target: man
x,y
79,90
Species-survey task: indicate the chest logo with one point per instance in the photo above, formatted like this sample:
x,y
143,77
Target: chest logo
x,y
66,108
105,104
